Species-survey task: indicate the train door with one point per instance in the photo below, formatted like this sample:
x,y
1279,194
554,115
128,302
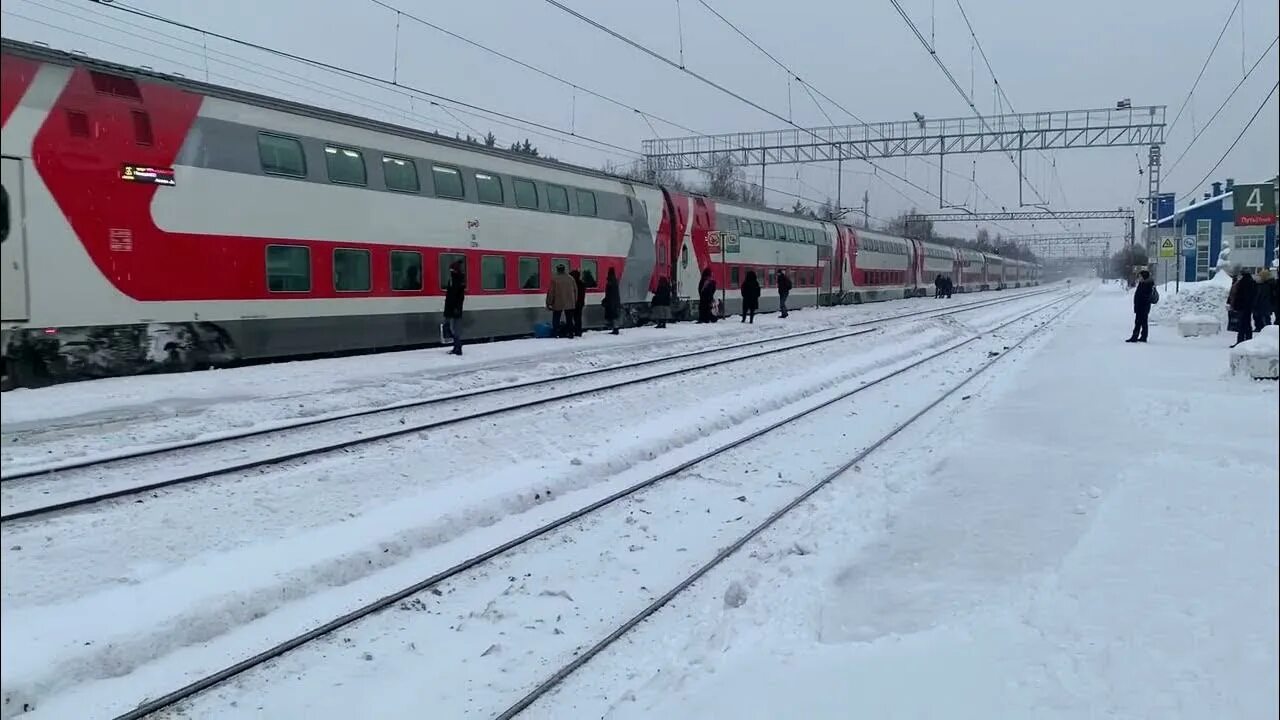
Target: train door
x,y
13,244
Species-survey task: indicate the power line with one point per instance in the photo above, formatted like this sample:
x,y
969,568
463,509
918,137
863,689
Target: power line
x,y
459,105
956,84
1000,89
1212,50
1224,104
707,81
261,69
811,89
533,68
1256,113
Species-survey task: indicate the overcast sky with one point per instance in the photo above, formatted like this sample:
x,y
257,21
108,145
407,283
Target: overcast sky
x,y
1047,56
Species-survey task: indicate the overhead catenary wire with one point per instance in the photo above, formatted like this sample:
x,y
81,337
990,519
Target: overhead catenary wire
x,y
456,104
933,53
812,89
1223,105
1203,67
711,83
1243,130
1000,89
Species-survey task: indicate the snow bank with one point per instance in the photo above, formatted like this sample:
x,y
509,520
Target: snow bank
x,y
1258,358
1208,298
1196,325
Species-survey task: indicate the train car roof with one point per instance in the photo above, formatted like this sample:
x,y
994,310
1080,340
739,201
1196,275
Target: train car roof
x,y
62,57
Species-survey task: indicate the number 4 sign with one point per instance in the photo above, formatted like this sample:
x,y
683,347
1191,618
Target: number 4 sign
x,y
1254,204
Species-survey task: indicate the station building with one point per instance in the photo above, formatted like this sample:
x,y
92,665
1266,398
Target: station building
x,y
1198,230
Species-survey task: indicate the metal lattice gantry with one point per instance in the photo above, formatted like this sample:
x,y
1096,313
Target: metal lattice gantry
x,y
1015,132
1067,246
1123,214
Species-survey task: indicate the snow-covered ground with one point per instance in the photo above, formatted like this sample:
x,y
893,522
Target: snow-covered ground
x,y
1090,531
130,599
1095,536
64,422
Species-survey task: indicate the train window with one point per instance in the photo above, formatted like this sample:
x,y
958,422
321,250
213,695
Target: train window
x,y
526,194
734,276
791,233
448,181
288,268
281,155
406,270
400,174
493,272
744,227
142,134
488,188
630,209
78,124
586,203
446,261
590,273
351,270
530,273
812,235
345,165
557,199
557,262
773,277
757,229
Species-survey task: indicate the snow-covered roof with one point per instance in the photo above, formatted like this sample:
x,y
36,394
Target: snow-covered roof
x,y
1196,206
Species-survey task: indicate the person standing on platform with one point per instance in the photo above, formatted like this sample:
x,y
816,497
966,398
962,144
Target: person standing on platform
x,y
454,295
612,301
660,306
784,290
706,297
1241,301
750,297
1142,301
579,301
561,297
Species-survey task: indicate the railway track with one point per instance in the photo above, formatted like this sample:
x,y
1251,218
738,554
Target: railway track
x,y
143,471
169,700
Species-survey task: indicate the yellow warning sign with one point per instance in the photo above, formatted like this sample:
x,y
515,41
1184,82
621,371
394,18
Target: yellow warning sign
x,y
1168,249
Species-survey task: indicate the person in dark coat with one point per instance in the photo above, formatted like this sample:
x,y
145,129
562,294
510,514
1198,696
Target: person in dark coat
x,y
579,303
1141,307
612,301
750,296
454,295
1243,296
784,290
660,306
948,286
706,297
938,288
1264,304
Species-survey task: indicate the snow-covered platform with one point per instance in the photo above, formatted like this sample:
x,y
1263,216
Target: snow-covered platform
x,y
1093,533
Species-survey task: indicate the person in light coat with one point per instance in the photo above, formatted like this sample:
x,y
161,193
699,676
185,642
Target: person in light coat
x,y
561,298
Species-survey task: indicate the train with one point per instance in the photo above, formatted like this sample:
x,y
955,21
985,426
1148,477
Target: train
x,y
155,222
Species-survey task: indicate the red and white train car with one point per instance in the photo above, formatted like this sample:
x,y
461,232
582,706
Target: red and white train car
x,y
153,221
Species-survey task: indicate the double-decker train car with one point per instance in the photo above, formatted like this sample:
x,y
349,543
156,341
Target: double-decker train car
x,y
973,271
937,260
156,222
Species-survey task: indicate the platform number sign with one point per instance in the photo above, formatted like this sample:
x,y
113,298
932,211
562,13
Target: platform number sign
x,y
1254,204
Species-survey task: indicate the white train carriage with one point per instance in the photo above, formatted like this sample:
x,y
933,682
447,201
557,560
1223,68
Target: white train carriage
x,y
994,271
768,243
937,260
972,271
883,267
